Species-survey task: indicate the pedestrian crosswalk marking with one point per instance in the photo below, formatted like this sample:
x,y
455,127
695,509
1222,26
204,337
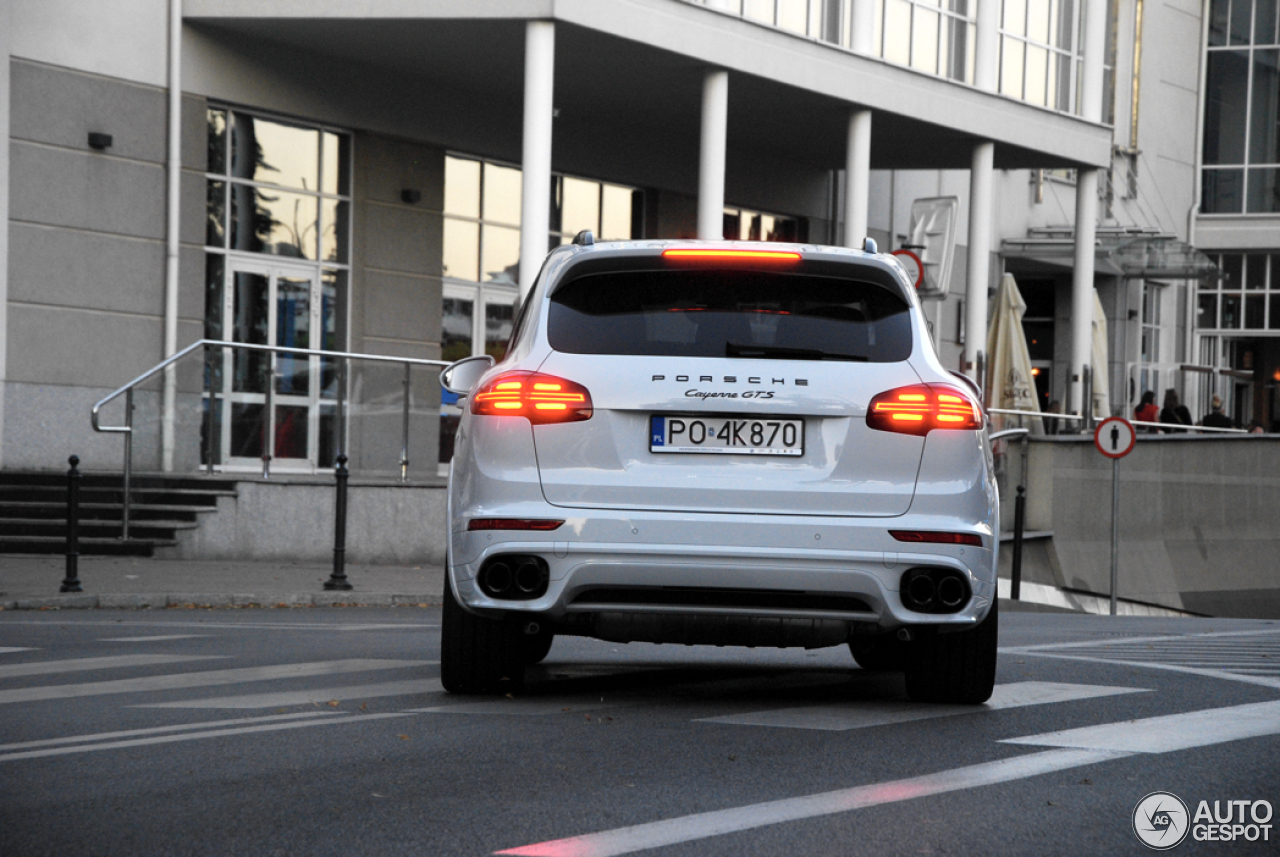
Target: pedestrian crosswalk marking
x,y
92,664
208,678
194,736
159,730
1169,732
1251,657
867,713
283,699
161,638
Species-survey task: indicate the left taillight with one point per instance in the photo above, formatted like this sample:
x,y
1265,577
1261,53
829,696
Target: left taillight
x,y
923,408
536,397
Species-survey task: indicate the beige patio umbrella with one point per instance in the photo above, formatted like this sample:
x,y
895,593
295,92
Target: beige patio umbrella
x,y
1101,387
1010,383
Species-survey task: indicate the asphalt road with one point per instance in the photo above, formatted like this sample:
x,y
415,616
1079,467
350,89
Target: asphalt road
x,y
324,731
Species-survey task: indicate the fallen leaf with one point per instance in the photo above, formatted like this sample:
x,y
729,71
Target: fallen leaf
x,y
333,703
403,737
364,706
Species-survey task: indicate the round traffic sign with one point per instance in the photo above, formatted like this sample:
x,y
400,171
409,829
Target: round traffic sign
x,y
1114,437
913,265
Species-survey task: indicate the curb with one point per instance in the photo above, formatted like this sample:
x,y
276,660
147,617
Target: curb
x,y
202,600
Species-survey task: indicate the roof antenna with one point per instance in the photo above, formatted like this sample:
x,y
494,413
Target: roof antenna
x,y
585,238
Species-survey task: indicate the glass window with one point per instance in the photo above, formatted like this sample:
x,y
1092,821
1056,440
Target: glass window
x,y
1232,270
335,163
1230,311
502,194
217,140
1264,22
1207,312
1254,307
1225,99
215,233
1219,13
1241,12
274,153
456,328
462,187
497,328
461,249
275,222
1223,192
738,313
500,254
579,206
1273,322
1264,143
1255,271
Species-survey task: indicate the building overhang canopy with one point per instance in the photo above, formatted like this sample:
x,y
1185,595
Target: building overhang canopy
x,y
638,64
1133,254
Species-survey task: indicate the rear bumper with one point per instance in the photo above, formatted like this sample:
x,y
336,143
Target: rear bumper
x,y
850,567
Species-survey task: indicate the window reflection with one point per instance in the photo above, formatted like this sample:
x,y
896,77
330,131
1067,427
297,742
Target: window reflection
x,y
272,153
334,229
482,214
456,328
274,222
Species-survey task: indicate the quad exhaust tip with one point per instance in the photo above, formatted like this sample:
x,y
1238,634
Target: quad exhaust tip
x,y
934,590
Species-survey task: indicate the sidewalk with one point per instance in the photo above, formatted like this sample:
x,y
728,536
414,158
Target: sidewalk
x,y
32,583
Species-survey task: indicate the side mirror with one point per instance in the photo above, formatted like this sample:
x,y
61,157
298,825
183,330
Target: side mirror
x,y
460,377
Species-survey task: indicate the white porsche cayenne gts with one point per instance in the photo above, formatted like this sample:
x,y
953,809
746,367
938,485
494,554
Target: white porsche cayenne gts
x,y
729,444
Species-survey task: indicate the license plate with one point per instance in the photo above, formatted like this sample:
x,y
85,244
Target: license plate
x,y
726,435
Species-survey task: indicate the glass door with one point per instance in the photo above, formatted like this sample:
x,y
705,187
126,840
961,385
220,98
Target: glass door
x,y
275,304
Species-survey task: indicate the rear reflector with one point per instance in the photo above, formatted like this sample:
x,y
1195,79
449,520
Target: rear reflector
x,y
512,524
922,409
935,538
727,255
536,397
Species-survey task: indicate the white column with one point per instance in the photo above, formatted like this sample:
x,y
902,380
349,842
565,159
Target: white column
x,y
1082,282
863,14
4,208
986,48
535,204
711,157
857,171
975,301
172,235
1095,45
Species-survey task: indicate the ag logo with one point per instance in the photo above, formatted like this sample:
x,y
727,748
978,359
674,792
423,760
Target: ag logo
x,y
1160,820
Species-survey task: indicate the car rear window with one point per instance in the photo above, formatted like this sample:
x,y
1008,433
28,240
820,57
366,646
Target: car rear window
x,y
736,313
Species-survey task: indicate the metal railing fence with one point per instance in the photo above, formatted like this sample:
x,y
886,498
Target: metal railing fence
x,y
213,396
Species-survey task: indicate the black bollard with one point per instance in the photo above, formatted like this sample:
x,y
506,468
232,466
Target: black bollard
x,y
1019,516
71,583
338,580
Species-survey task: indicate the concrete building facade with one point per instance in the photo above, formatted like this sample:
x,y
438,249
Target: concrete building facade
x,y
384,181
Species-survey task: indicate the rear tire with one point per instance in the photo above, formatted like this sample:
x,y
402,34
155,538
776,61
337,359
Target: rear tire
x,y
537,647
957,668
478,654
877,654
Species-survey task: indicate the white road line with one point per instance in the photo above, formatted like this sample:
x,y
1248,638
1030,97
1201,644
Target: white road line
x,y
104,663
4,650
157,730
703,825
1223,674
280,699
1086,746
152,639
268,626
864,714
519,707
1123,641
208,678
1169,732
195,736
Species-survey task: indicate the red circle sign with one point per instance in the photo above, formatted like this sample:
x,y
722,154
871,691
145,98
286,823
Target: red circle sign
x,y
1114,437
916,261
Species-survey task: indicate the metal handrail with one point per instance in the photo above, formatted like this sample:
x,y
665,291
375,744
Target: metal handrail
x,y
1175,426
343,356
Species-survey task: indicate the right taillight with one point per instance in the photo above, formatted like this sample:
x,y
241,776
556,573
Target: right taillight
x,y
536,397
923,408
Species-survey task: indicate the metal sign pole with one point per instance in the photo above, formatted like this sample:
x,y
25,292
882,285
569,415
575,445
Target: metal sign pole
x,y
1115,529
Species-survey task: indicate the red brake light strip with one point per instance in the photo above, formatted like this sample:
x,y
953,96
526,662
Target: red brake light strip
x,y
726,254
937,538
